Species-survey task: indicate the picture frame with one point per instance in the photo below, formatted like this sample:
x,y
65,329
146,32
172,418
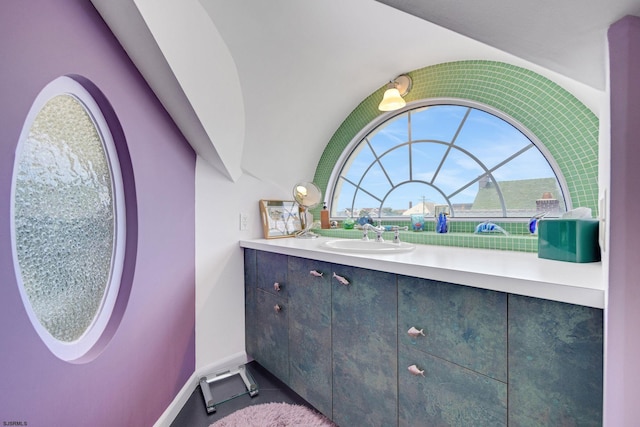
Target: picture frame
x,y
280,218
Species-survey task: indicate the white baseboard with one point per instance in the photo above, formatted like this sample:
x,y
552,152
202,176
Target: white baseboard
x,y
185,392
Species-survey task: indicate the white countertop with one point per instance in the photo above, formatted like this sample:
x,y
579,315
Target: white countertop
x,y
514,272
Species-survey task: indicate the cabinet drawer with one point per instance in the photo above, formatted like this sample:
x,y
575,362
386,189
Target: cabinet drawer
x,y
447,394
464,325
271,273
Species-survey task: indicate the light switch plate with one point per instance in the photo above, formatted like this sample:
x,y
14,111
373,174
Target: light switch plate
x,y
244,222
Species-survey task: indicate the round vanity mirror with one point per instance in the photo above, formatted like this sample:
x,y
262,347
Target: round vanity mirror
x,y
307,195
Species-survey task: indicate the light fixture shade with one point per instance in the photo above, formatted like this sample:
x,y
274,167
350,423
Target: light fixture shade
x,y
391,100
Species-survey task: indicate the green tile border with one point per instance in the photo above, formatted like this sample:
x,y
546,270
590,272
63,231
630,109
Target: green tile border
x,y
497,241
564,125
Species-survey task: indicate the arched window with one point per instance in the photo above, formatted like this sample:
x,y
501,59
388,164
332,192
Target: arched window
x,y
459,156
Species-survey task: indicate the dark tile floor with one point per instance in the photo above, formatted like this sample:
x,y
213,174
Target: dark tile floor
x,y
271,389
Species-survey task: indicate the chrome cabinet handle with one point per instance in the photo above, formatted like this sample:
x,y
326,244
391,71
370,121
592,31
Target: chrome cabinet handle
x,y
277,287
416,371
277,308
415,332
340,279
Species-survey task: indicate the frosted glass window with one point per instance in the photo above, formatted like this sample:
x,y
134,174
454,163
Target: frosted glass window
x,y
68,222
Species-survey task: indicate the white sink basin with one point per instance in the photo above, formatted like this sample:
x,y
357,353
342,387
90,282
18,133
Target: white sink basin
x,y
366,247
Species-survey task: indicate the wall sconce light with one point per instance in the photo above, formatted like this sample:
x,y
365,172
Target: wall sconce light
x,y
392,98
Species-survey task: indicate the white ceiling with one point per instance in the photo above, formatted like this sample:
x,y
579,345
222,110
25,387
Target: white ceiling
x,y
259,87
567,36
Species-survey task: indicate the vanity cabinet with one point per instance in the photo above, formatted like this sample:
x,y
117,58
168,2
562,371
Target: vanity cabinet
x,y
486,358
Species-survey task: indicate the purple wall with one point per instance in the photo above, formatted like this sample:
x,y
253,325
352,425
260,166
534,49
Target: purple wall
x,y
152,352
622,370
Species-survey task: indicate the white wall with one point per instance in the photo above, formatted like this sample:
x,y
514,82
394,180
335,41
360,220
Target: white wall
x,y
206,73
219,258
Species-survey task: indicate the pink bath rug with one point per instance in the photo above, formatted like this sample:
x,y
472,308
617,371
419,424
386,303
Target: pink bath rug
x,y
274,415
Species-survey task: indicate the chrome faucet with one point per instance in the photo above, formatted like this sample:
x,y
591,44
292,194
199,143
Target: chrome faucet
x,y
396,233
379,230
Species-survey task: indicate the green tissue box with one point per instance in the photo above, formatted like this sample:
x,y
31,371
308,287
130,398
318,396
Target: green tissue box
x,y
573,240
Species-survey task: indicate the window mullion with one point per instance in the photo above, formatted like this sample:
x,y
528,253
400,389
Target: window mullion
x,y
453,140
377,160
410,143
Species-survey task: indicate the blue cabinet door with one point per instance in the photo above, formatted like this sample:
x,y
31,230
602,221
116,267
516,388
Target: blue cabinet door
x,y
365,354
310,332
555,363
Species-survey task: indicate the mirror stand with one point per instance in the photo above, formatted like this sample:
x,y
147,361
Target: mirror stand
x,y
306,223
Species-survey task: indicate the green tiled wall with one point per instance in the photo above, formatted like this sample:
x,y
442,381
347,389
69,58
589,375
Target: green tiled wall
x,y
517,240
566,127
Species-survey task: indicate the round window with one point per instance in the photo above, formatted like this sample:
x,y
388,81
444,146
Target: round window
x,y
68,219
